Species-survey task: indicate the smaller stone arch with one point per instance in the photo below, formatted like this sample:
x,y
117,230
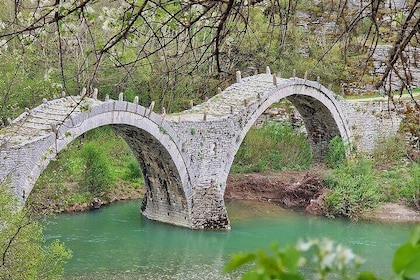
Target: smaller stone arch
x,y
321,113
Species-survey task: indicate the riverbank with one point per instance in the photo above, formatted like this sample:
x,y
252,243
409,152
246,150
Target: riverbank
x,y
297,190
303,191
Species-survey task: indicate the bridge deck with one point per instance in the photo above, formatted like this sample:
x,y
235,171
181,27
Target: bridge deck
x,y
38,122
231,100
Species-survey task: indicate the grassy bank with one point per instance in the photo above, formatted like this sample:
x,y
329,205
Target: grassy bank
x,y
98,164
273,146
357,184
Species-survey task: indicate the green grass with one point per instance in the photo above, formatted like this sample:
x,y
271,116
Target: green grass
x,y
355,190
360,184
67,180
274,146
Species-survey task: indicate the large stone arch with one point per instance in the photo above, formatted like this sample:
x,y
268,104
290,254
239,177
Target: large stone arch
x,y
152,140
321,112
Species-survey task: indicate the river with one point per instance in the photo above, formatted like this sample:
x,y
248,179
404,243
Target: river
x,y
116,242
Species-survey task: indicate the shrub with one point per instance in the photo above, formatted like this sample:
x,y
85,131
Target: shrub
x,y
390,150
133,172
25,254
411,191
354,189
96,176
336,153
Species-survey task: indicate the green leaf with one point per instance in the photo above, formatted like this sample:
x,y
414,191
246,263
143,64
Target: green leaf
x,y
290,276
407,260
238,260
252,275
366,275
290,258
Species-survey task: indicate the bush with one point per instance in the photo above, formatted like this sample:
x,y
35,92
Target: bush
x,y
354,189
336,153
133,172
96,176
24,252
275,146
411,190
390,150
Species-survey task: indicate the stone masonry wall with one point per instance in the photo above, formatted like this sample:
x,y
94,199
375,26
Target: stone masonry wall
x,y
21,165
371,121
208,145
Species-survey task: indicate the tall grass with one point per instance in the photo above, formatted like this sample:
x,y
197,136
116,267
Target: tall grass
x,y
274,146
336,153
354,190
411,190
96,175
390,150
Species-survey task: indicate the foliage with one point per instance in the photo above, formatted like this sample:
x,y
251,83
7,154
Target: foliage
x,y
96,176
133,170
171,52
336,153
390,150
410,125
24,254
274,146
411,190
63,182
354,189
406,261
280,264
322,258
78,198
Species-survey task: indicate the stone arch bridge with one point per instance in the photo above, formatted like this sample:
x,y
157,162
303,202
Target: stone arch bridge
x,y
185,157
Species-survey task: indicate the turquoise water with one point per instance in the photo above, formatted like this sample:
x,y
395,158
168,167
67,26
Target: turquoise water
x,y
116,242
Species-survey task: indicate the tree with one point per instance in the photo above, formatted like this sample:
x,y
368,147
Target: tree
x,y
173,51
23,252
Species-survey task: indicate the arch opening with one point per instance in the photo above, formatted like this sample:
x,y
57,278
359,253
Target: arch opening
x,y
164,197
318,108
93,169
322,119
321,127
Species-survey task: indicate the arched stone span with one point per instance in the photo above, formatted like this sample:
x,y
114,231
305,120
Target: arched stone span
x,y
322,114
152,140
